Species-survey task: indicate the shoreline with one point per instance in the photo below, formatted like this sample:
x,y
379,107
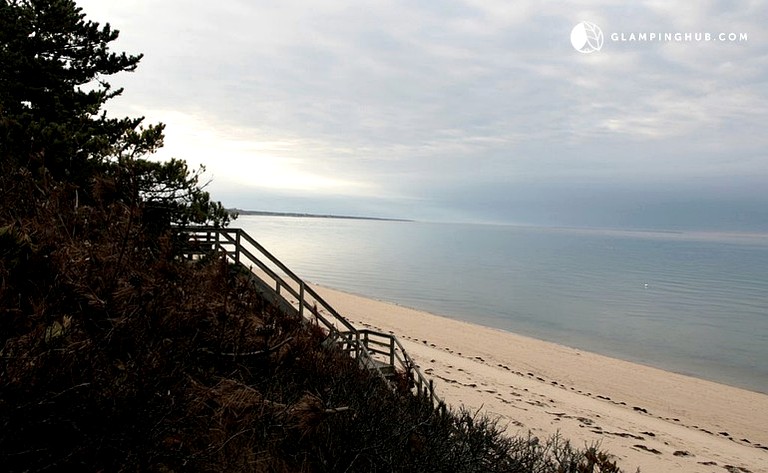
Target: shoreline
x,y
607,354
600,292
647,417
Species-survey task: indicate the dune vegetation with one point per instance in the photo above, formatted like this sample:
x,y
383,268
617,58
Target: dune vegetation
x,y
117,354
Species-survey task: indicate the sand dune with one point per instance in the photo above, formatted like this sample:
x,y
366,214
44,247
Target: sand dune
x,y
648,418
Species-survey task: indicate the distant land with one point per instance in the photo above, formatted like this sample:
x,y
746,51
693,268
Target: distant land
x,y
263,213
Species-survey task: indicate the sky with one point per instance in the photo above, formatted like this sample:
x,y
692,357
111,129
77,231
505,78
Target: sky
x,y
461,110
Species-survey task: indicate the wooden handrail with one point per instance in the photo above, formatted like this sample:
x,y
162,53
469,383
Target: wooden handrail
x,y
405,362
360,344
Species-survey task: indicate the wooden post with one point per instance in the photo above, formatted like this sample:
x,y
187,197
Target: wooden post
x,y
301,299
237,246
392,351
357,345
431,392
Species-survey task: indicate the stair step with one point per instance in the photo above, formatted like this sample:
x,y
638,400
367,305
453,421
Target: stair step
x,y
386,369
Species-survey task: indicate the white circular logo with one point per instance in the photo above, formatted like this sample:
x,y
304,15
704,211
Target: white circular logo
x,y
587,37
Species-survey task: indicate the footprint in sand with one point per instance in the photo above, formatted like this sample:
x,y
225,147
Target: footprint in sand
x,y
647,449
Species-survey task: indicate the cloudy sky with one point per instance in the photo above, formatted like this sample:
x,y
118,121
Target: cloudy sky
x,y
461,110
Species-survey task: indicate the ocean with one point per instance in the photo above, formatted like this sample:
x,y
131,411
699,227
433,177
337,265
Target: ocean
x,y
692,303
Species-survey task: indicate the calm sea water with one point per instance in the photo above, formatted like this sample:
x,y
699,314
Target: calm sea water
x,y
690,303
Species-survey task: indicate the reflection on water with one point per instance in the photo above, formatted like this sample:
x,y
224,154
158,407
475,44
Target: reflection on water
x,y
692,303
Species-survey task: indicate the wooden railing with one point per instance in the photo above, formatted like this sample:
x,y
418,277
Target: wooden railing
x,y
387,345
378,351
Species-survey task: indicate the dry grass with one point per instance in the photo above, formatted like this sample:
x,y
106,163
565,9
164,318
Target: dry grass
x,y
116,355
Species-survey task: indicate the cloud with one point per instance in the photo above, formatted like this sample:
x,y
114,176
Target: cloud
x,y
401,102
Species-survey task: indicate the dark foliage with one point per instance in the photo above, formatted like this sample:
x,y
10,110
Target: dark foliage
x,y
52,88
53,69
118,355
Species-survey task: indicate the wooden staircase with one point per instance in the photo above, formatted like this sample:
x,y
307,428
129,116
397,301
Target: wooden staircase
x,y
380,352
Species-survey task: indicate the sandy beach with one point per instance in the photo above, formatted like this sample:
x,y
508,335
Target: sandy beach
x,y
648,418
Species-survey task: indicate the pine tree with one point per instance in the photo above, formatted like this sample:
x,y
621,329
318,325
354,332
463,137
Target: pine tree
x,y
54,65
53,88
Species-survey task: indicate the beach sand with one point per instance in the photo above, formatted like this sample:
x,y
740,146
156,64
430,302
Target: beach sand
x,y
646,417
